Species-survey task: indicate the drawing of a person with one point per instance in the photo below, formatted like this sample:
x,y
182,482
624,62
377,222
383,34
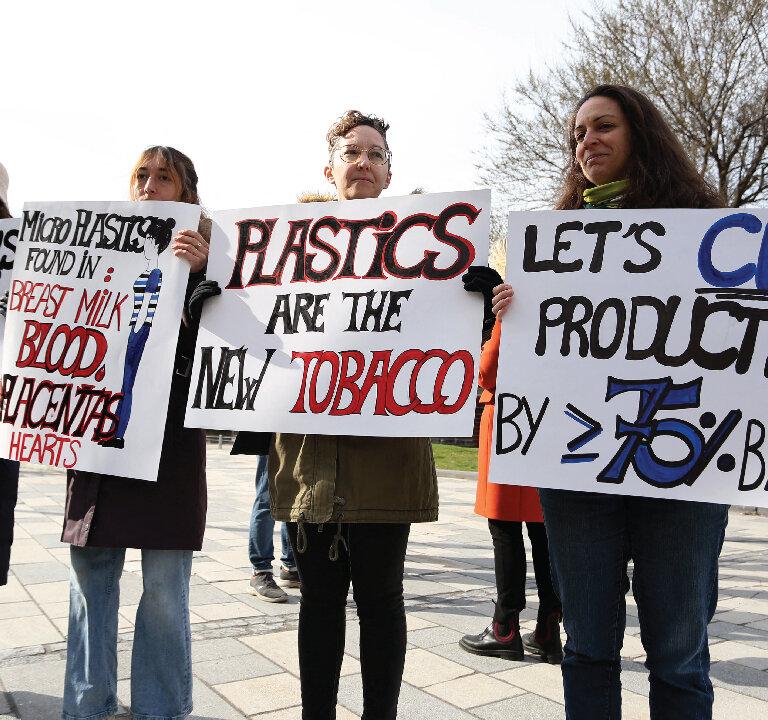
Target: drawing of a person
x,y
146,293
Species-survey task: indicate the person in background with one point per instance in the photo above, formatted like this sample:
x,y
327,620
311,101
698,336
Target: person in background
x,y
261,545
507,507
625,155
349,502
105,514
9,469
261,550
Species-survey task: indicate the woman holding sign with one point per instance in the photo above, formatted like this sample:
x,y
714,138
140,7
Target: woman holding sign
x,y
165,519
349,502
9,469
624,155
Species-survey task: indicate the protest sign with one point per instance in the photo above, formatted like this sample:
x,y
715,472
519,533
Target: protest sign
x,y
343,318
9,234
93,317
633,357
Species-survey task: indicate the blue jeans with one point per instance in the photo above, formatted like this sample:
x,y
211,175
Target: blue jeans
x,y
261,549
675,547
161,664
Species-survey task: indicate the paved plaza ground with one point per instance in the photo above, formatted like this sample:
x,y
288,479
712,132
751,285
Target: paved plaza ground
x,y
244,650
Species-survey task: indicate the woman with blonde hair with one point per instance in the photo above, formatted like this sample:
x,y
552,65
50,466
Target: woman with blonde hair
x,y
165,519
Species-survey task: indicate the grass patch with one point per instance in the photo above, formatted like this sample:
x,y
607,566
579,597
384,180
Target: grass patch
x,y
453,457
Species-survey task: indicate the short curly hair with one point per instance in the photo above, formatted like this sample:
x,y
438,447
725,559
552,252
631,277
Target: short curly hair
x,y
349,121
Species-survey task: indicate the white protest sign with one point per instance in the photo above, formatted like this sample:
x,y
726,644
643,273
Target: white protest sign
x,y
9,234
93,318
343,318
633,357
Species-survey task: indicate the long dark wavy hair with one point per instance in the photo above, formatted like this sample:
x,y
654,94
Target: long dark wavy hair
x,y
660,173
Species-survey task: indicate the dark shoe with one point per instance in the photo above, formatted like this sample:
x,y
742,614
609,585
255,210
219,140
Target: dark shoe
x,y
544,641
495,641
288,578
263,586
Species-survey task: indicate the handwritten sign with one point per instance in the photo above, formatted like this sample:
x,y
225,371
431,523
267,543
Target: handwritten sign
x,y
9,235
634,358
94,308
343,318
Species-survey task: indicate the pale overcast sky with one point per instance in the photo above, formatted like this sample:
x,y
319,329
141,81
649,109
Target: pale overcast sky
x,y
248,89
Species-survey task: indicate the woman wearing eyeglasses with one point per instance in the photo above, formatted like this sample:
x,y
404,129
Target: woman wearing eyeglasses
x,y
349,502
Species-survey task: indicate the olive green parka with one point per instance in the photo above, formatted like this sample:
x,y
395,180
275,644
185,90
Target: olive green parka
x,y
352,479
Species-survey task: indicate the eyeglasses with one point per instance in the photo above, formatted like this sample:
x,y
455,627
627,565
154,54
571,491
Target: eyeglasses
x,y
352,154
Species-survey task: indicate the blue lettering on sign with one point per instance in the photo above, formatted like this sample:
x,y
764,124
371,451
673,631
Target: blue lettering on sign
x,y
655,395
733,278
594,428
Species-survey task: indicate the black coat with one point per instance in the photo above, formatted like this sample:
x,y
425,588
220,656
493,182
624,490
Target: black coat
x,y
251,443
110,511
9,485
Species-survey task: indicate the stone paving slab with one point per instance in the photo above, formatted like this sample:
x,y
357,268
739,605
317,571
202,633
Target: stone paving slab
x,y
245,659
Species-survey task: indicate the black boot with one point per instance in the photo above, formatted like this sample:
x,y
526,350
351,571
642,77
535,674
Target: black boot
x,y
544,641
496,640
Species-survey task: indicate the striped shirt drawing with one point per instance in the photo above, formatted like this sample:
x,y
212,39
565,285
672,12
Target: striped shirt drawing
x,y
148,282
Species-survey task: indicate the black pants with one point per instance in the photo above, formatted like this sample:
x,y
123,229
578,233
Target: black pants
x,y
372,558
511,566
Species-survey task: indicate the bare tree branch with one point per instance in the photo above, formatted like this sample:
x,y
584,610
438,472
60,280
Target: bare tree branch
x,y
702,61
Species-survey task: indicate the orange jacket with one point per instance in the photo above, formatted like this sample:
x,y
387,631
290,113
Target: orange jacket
x,y
498,502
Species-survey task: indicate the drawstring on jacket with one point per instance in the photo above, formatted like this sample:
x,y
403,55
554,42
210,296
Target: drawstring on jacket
x,y
301,536
333,551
